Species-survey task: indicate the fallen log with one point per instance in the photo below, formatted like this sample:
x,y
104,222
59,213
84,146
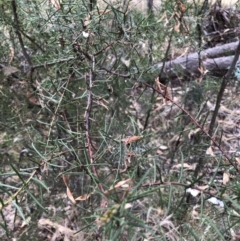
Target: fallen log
x,y
215,60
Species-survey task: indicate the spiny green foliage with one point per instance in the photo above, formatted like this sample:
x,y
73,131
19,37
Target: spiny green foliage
x,y
67,116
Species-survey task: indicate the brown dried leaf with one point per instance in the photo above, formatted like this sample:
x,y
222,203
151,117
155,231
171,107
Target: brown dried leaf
x,y
32,98
131,139
177,27
157,82
185,166
182,7
8,70
124,185
226,178
83,197
210,151
167,95
11,54
202,188
238,160
69,193
65,180
56,4
192,133
70,196
62,232
201,70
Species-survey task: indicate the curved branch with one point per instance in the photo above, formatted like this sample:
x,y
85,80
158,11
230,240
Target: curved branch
x,y
195,122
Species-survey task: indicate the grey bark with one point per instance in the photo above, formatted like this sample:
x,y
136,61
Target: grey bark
x,y
217,59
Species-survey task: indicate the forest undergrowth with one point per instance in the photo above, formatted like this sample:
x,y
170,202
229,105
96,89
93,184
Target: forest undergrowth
x,y
96,144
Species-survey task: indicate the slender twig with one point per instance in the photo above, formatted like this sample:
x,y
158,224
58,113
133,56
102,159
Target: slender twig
x,y
13,196
17,29
114,73
32,40
225,81
165,56
160,74
44,65
148,113
58,107
194,121
105,47
87,117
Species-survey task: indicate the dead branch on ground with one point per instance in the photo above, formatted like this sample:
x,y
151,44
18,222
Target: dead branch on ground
x,y
216,60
